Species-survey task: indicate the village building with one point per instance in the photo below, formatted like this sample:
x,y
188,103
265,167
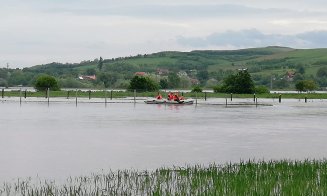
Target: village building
x,y
195,81
182,73
161,71
86,77
290,75
140,74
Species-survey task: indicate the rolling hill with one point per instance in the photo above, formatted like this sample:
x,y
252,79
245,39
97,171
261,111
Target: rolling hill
x,y
264,64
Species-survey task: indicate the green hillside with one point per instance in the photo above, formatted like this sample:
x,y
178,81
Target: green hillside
x,y
268,66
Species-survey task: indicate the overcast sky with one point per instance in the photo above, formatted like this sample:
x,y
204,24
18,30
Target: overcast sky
x,y
42,31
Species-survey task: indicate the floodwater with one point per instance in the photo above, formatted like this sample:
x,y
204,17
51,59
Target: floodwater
x,y
62,140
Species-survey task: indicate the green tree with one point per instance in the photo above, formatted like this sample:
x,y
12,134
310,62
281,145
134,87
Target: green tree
x,y
90,71
197,89
281,84
305,85
300,69
202,76
108,79
121,83
310,85
322,72
218,89
18,77
298,77
240,83
211,83
100,64
322,82
299,86
261,89
3,73
163,83
143,84
173,80
185,82
74,83
44,82
3,83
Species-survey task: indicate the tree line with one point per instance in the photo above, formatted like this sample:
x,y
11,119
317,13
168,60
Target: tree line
x,y
186,70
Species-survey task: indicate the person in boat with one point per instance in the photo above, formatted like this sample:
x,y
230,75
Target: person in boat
x,y
170,96
159,96
176,97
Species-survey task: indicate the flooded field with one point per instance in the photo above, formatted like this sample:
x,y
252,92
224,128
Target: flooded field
x,y
62,140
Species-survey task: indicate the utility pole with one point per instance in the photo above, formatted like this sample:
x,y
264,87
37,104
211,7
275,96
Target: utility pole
x,y
8,73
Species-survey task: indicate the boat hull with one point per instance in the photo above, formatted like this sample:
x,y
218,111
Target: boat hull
x,y
164,101
155,101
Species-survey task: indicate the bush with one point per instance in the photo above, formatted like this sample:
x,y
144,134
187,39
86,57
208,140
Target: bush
x,y
218,89
240,83
306,85
197,89
261,90
44,82
143,84
322,72
163,83
3,83
73,83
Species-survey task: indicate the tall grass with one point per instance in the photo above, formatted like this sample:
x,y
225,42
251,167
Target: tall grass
x,y
245,178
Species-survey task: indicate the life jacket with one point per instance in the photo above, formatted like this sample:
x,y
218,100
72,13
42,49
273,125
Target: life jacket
x,y
170,96
176,98
159,97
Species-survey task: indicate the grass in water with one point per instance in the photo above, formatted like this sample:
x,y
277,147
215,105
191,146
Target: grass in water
x,y
245,178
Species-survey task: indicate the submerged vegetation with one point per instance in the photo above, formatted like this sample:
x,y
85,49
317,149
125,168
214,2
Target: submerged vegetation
x,y
245,178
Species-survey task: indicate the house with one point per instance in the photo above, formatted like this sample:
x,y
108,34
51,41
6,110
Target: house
x,y
182,73
195,81
85,77
162,71
242,69
290,75
192,73
140,73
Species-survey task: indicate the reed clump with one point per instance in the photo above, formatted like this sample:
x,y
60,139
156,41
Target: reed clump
x,y
284,177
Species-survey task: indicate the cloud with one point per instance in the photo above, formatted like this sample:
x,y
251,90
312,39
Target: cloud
x,y
255,38
316,39
158,9
40,31
181,11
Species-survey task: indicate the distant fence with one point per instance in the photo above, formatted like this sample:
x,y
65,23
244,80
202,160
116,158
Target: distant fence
x,y
133,95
